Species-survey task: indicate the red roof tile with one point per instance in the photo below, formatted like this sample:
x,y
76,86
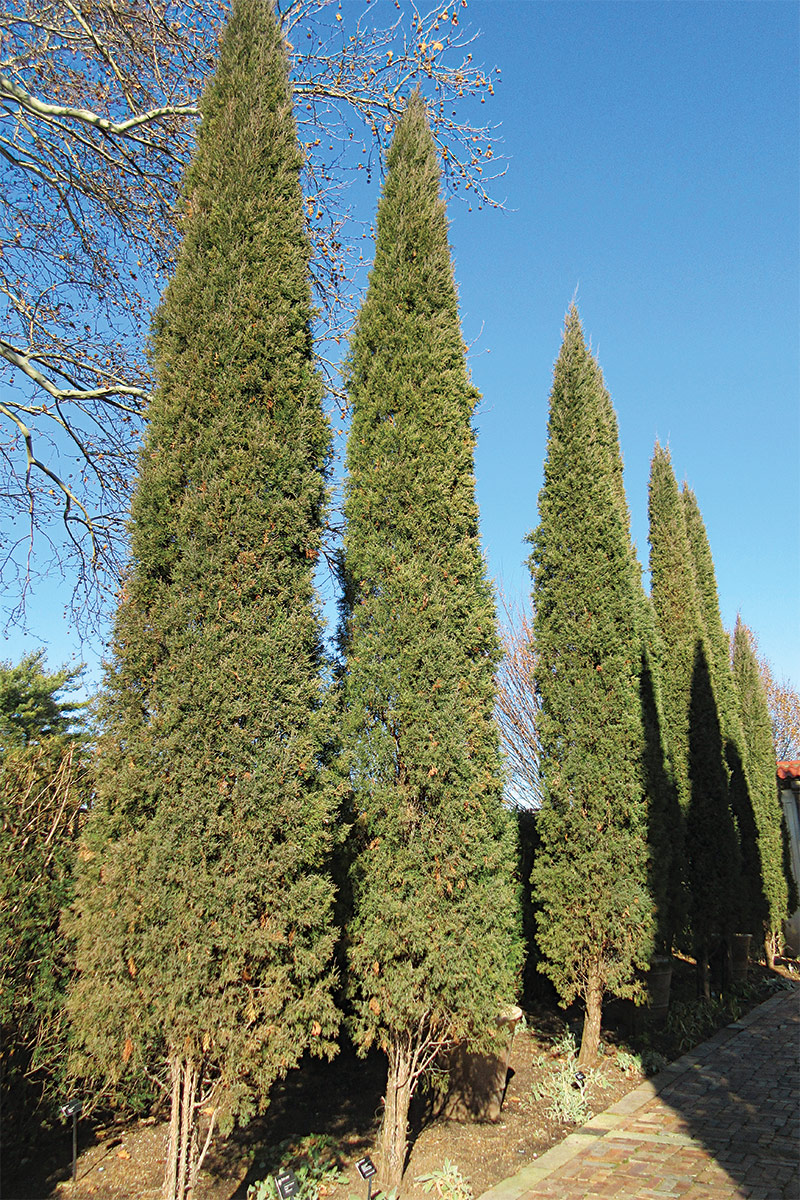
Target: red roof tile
x,y
789,770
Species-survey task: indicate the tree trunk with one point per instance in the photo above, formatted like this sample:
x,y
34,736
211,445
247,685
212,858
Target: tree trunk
x,y
590,1041
181,1166
171,1170
393,1139
703,972
770,947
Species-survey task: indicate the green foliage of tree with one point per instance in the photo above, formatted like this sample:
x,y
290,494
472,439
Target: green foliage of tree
x,y
700,722
751,903
759,761
204,913
595,920
712,843
32,705
707,595
750,893
433,947
674,598
666,863
43,788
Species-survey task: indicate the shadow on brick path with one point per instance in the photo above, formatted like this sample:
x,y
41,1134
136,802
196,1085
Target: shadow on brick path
x,y
721,1123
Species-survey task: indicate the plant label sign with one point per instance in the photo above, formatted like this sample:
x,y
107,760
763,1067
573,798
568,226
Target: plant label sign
x,y
286,1183
366,1167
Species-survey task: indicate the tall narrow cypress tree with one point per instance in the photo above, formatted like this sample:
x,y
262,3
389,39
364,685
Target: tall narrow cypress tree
x,y
665,832
204,916
718,644
595,920
666,863
709,612
712,845
674,597
749,906
759,755
693,724
432,940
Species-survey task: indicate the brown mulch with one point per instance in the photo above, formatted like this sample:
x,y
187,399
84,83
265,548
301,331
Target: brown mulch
x,y
123,1159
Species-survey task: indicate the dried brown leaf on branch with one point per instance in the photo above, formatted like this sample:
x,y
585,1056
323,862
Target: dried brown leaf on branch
x,y
98,108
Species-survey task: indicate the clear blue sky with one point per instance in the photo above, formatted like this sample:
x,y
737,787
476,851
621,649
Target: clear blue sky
x,y
653,157
652,153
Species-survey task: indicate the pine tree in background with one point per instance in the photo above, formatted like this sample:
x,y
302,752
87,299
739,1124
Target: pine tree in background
x,y
204,914
33,708
751,905
432,939
595,921
759,757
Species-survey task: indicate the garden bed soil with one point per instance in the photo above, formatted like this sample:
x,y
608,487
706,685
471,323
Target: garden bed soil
x,y
340,1103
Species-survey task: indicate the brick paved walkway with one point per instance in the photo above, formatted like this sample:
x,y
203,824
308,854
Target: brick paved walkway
x,y
721,1123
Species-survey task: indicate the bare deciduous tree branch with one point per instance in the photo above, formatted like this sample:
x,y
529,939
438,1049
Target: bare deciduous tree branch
x,y
517,707
783,702
98,107
38,108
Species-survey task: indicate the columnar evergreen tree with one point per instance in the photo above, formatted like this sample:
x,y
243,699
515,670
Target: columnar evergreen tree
x,y
665,832
204,914
674,598
432,939
708,609
750,906
712,844
666,865
595,920
693,725
759,756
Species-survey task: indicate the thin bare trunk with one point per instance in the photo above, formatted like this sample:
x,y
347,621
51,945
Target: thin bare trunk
x,y
198,1161
182,1158
393,1139
703,973
184,1147
590,1041
171,1176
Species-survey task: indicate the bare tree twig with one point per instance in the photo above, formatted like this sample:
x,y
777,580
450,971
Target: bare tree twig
x,y
517,707
98,108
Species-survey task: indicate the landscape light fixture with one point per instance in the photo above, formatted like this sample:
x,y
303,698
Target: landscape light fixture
x,y
286,1183
73,1109
366,1169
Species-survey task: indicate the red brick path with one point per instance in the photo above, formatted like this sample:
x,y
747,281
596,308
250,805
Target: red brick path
x,y
721,1123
